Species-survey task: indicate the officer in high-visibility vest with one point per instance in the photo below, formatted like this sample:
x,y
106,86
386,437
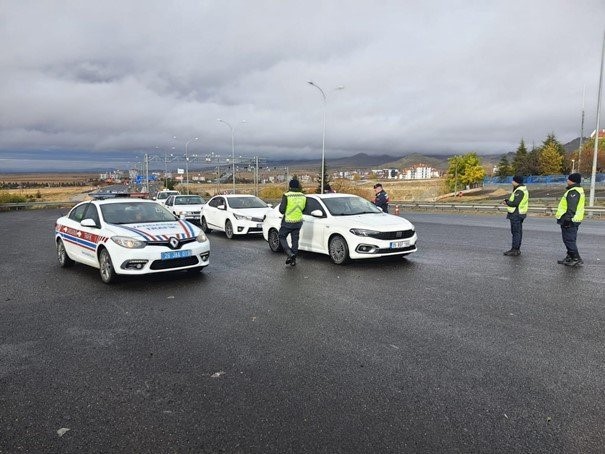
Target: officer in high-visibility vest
x,y
292,205
570,214
517,205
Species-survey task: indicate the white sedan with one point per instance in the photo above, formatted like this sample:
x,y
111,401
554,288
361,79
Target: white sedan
x,y
129,236
186,207
234,214
346,226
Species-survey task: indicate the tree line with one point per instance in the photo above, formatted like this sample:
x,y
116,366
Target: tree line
x,y
550,159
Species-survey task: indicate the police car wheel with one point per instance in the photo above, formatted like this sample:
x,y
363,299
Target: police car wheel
x,y
108,274
338,249
64,259
229,229
273,241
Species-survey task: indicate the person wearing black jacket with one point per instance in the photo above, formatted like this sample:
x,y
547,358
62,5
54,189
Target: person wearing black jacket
x,y
517,205
570,214
382,199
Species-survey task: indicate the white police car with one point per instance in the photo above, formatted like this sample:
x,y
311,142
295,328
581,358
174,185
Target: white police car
x,y
129,236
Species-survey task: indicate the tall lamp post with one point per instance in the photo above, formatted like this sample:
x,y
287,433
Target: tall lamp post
x,y
232,148
187,162
323,134
593,176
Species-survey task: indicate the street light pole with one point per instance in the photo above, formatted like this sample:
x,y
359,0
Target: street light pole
x,y
187,162
232,148
593,176
323,133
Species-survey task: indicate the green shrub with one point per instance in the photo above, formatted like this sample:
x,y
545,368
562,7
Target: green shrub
x,y
12,198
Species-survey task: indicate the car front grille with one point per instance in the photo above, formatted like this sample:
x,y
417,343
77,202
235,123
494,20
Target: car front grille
x,y
396,235
174,263
167,244
257,219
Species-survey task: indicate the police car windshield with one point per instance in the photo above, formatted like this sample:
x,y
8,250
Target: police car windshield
x,y
246,202
133,213
349,206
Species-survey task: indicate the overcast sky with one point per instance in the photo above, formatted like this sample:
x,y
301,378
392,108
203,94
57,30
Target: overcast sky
x,y
121,78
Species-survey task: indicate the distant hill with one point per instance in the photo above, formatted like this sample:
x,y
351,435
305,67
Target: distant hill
x,y
358,160
574,144
437,162
361,160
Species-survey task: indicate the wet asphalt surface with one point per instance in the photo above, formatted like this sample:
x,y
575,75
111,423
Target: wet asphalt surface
x,y
455,349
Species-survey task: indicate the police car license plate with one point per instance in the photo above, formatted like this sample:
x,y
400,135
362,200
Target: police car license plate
x,y
175,254
398,244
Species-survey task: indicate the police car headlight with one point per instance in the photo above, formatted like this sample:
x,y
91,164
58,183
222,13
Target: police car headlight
x,y
128,242
201,238
364,232
241,217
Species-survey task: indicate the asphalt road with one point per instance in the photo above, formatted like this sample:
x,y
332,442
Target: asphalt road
x,y
455,349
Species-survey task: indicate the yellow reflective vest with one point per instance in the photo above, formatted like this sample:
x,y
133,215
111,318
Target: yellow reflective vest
x,y
524,204
296,202
562,208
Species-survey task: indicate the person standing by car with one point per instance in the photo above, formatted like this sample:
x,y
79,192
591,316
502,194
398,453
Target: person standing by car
x,y
570,214
517,205
382,198
292,205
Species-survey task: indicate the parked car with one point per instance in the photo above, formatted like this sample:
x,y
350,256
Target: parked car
x,y
163,195
129,236
346,226
187,207
234,214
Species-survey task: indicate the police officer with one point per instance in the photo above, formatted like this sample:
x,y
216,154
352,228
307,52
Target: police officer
x,y
517,205
570,214
382,199
292,205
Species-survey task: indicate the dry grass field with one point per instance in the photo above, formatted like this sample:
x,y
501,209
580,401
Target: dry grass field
x,y
401,191
66,187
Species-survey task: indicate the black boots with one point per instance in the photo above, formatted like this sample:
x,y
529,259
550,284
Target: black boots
x,y
571,260
513,252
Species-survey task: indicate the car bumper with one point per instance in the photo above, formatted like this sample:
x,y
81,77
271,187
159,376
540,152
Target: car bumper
x,y
364,248
247,227
157,259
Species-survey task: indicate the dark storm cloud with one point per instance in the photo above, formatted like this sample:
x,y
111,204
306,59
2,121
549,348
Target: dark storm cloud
x,y
433,76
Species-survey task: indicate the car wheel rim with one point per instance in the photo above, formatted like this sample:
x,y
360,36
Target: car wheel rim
x,y
337,250
229,230
106,268
273,240
61,252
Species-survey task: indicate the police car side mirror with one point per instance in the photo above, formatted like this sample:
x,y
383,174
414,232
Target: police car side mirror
x,y
317,214
221,207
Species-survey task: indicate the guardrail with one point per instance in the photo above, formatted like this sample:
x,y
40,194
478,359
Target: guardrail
x,y
31,205
545,209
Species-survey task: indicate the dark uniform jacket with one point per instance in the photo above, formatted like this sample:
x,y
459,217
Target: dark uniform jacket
x,y
382,201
